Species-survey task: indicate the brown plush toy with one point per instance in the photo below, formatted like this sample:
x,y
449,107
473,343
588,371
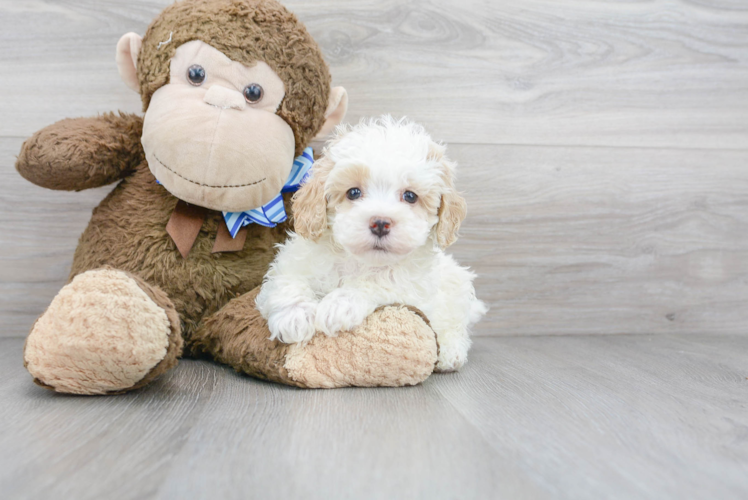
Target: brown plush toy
x,y
233,91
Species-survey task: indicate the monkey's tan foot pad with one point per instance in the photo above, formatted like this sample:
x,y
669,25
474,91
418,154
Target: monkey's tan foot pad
x,y
394,347
105,332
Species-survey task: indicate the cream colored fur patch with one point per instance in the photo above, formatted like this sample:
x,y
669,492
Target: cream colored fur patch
x,y
101,333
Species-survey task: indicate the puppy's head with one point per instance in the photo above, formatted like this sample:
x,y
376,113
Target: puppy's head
x,y
383,188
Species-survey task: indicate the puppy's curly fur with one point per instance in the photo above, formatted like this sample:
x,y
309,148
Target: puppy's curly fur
x,y
372,224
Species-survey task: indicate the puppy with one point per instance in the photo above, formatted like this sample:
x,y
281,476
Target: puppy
x,y
371,225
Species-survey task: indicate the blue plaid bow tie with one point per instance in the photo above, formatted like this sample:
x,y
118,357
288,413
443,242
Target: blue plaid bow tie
x,y
273,213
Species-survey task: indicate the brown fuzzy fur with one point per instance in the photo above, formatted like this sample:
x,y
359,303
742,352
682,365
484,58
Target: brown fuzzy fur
x,y
128,232
83,153
238,336
246,31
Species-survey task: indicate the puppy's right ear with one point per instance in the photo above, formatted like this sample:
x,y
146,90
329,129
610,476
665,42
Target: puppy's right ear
x,y
453,208
310,202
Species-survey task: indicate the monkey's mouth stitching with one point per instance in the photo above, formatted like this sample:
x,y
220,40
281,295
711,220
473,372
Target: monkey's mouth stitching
x,y
206,185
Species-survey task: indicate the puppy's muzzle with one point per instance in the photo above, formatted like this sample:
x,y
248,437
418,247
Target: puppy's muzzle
x,y
380,226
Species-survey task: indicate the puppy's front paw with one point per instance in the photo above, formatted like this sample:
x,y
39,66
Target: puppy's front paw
x,y
452,354
293,324
340,311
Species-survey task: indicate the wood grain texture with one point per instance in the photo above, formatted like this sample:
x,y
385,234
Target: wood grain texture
x,y
606,240
538,417
577,72
564,240
614,417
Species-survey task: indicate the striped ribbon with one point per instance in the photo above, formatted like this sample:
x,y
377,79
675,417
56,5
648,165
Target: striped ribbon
x,y
273,213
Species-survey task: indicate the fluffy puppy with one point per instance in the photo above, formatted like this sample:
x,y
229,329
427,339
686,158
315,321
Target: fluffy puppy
x,y
371,225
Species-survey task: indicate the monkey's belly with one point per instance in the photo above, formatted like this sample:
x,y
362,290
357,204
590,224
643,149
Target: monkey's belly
x,y
127,231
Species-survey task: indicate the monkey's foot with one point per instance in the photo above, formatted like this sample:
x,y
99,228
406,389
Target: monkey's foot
x,y
105,332
394,346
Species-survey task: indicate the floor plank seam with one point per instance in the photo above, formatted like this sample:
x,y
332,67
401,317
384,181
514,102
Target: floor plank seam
x,y
598,146
547,145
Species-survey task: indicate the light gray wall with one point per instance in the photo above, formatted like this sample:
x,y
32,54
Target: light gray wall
x,y
603,146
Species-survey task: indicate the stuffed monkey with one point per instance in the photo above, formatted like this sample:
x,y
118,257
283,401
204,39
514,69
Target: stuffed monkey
x,y
233,92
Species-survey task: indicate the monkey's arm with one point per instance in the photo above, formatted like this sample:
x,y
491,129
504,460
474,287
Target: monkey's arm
x,y
82,153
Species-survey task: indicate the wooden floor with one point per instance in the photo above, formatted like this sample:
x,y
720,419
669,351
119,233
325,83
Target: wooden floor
x,y
603,151
579,417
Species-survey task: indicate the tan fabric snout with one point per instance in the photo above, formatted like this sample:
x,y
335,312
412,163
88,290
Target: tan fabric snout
x,y
221,159
224,98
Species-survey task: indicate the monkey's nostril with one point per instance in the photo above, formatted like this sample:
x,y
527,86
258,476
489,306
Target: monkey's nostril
x,y
224,98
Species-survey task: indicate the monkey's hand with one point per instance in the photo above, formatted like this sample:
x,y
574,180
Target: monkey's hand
x,y
82,153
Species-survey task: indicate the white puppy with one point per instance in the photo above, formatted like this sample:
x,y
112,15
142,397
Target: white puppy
x,y
372,222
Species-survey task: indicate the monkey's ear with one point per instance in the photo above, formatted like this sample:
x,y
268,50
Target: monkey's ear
x,y
335,112
128,48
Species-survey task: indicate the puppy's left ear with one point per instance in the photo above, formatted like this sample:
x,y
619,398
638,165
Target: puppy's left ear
x,y
310,202
453,209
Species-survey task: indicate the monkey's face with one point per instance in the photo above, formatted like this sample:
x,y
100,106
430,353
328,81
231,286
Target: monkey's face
x,y
232,90
212,136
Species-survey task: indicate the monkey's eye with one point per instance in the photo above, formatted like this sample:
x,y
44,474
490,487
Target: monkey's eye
x,y
353,194
410,197
196,75
253,93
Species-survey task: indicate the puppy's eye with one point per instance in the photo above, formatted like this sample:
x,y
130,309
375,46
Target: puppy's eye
x,y
353,194
410,197
253,93
196,75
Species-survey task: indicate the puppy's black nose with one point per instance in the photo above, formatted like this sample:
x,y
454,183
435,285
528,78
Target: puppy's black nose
x,y
380,226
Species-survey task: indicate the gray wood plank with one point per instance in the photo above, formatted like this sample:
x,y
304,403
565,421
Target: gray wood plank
x,y
565,240
614,416
206,432
535,417
476,71
383,443
56,446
